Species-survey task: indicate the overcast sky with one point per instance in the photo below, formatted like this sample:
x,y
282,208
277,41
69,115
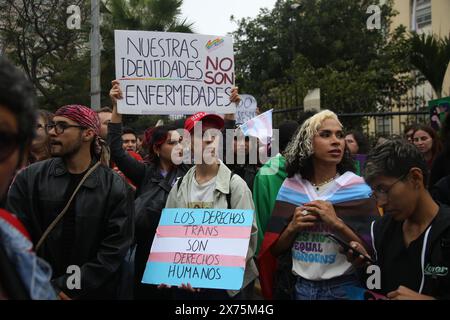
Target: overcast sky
x,y
213,16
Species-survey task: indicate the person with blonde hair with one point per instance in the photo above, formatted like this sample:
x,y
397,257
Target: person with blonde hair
x,y
321,196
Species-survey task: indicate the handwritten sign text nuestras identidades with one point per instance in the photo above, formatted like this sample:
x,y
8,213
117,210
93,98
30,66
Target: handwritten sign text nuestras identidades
x,y
174,73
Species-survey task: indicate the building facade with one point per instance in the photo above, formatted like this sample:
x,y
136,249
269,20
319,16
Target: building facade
x,y
422,16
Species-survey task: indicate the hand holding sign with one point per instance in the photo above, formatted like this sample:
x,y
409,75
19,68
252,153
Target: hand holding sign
x,y
187,287
115,93
246,109
235,97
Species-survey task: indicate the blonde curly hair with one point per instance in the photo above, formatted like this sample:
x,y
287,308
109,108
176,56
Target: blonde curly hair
x,y
300,149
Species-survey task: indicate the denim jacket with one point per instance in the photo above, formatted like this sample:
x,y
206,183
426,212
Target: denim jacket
x,y
34,272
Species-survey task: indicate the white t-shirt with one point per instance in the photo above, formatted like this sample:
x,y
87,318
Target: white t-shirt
x,y
314,256
202,195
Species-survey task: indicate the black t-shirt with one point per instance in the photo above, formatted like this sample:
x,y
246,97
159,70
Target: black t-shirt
x,y
68,223
401,265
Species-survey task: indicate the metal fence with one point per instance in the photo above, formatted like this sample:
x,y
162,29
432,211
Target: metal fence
x,y
390,119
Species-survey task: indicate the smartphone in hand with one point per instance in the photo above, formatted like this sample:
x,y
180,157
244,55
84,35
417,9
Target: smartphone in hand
x,y
347,247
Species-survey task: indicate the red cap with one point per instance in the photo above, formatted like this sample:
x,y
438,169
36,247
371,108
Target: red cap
x,y
216,120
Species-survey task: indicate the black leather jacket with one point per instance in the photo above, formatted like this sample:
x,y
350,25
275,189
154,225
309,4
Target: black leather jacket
x,y
103,223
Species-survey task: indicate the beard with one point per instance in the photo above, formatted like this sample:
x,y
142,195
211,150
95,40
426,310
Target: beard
x,y
65,151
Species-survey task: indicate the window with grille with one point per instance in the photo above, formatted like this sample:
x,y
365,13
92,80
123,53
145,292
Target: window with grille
x,y
423,13
384,125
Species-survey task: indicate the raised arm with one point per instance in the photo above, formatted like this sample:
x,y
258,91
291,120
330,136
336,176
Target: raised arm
x,y
130,167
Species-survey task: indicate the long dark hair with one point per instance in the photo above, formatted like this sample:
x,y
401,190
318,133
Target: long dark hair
x,y
437,145
156,136
47,116
361,140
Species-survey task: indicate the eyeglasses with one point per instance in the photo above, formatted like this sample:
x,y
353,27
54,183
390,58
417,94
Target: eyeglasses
x,y
382,194
8,144
61,126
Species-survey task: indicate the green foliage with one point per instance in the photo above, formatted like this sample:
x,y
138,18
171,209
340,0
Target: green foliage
x,y
322,44
431,56
146,15
34,35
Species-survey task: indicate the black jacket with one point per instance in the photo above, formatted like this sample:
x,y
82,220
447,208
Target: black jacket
x,y
152,191
436,266
441,191
440,168
246,171
103,223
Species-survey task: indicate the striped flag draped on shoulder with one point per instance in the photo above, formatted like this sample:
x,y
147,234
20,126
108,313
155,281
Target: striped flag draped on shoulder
x,y
351,200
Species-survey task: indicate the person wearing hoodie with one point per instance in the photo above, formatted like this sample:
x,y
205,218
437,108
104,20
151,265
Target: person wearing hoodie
x,y
411,243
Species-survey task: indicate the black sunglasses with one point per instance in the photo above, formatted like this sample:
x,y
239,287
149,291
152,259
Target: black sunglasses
x,y
9,142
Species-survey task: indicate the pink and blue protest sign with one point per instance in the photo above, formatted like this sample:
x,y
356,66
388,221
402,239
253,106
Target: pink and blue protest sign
x,y
204,247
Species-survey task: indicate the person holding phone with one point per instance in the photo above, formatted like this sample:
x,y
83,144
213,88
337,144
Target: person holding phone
x,y
411,243
320,196
353,250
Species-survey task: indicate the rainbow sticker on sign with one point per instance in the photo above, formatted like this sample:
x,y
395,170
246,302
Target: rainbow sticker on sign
x,y
212,44
204,247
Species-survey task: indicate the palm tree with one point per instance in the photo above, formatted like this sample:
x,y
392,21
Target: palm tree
x,y
144,15
431,56
151,15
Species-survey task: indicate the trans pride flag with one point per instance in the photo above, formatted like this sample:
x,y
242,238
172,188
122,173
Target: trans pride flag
x,y
351,201
204,247
260,127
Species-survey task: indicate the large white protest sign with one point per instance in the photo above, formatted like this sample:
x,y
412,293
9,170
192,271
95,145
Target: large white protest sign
x,y
246,109
174,73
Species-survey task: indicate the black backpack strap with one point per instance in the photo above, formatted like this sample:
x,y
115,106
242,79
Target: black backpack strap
x,y
229,193
180,179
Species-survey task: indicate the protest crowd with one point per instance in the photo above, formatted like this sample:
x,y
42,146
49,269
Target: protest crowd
x,y
86,201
